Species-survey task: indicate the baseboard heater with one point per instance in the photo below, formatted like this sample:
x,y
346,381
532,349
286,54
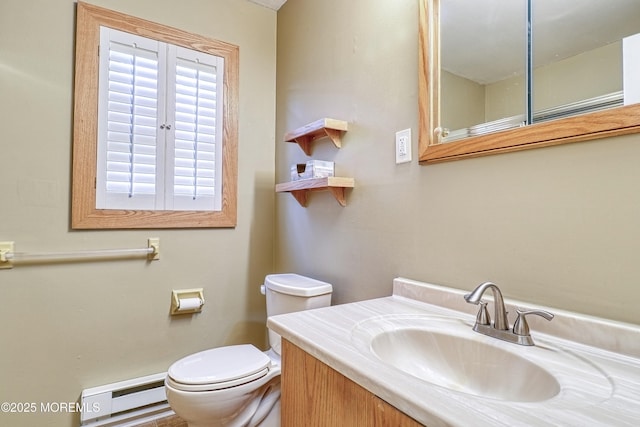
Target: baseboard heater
x,y
125,403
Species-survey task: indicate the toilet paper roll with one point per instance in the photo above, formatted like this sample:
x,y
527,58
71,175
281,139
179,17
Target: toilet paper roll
x,y
189,304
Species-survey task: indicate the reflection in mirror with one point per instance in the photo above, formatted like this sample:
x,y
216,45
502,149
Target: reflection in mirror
x,y
565,78
577,54
482,71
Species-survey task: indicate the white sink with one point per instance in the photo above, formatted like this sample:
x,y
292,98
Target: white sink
x,y
446,352
466,365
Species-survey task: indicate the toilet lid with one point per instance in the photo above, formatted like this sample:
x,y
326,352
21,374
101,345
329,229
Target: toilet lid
x,y
222,366
294,284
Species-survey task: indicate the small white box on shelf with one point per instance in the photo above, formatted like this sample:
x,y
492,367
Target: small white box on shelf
x,y
312,169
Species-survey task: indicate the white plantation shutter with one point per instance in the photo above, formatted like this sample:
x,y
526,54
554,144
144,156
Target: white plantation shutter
x,y
197,134
127,125
159,127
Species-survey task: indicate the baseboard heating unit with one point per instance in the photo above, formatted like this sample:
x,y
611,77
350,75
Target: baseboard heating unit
x,y
125,403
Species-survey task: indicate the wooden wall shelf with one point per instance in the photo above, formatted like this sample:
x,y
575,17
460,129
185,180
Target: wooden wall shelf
x,y
299,189
305,135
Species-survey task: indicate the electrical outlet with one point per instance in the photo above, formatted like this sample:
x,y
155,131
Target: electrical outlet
x,y
403,146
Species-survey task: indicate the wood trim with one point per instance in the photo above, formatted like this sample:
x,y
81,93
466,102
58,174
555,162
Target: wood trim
x,y
603,124
84,215
608,123
314,395
428,73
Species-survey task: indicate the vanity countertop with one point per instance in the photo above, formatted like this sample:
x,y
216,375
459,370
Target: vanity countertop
x,y
611,349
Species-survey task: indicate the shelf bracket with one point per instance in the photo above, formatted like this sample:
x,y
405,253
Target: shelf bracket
x,y
305,143
335,136
301,197
338,193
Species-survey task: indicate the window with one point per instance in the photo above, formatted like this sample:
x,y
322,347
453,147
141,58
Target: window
x,y
159,133
155,125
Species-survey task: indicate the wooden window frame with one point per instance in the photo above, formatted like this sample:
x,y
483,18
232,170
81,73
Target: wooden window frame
x,y
84,214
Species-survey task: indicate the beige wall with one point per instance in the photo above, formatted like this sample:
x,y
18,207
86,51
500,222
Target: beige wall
x,y
75,325
556,226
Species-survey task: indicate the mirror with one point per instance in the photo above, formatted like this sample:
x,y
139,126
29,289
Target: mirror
x,y
593,108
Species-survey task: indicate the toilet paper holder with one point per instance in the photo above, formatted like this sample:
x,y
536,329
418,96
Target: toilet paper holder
x,y
187,301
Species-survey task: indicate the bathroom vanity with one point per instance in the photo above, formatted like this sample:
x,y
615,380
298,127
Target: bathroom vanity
x,y
413,359
319,395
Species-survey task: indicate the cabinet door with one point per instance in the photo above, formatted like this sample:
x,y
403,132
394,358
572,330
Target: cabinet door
x,y
315,395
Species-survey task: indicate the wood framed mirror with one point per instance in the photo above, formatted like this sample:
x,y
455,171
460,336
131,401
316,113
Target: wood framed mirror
x,y
594,125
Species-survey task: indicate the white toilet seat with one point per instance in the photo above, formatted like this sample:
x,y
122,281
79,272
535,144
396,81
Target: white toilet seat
x,y
219,368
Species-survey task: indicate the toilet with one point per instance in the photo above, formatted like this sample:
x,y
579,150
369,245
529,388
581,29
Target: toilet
x,y
239,385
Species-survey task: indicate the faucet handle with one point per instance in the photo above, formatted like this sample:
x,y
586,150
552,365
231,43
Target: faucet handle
x,y
483,318
521,327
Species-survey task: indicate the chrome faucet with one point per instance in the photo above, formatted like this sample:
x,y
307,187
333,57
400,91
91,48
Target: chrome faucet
x,y
500,314
500,326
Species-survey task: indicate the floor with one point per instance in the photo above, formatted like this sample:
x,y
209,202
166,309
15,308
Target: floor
x,y
172,421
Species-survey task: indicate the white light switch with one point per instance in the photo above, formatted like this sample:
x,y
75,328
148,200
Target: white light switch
x,y
403,146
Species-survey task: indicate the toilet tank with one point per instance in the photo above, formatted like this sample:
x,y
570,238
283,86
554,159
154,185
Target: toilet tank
x,y
287,293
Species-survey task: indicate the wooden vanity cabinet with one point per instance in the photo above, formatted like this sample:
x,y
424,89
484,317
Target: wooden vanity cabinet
x,y
314,395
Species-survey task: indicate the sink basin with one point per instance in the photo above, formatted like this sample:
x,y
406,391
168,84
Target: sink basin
x,y
464,364
445,352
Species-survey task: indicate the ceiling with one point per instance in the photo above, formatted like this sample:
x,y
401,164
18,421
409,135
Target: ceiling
x,y
271,4
486,43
